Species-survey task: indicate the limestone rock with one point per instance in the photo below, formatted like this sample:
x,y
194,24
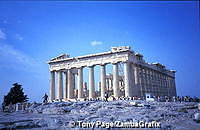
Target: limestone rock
x,y
197,117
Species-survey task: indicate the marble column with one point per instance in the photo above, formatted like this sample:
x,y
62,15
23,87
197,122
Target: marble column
x,y
52,86
160,80
136,75
168,89
166,85
157,84
171,87
65,86
140,80
149,81
115,80
103,81
99,88
153,82
134,90
73,86
60,85
70,91
174,87
145,81
85,90
80,83
107,84
110,84
91,82
127,79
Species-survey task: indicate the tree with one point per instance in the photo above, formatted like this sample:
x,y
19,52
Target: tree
x,y
15,95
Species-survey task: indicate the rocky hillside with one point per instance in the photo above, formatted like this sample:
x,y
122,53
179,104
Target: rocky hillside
x,y
171,115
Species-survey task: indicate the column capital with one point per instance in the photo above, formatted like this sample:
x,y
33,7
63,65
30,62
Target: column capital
x,y
103,64
62,70
90,66
80,67
114,63
129,62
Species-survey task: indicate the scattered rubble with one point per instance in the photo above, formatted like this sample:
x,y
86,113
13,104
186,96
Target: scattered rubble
x,y
171,115
197,117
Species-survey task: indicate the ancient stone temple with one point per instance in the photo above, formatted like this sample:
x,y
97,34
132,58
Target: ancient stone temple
x,y
138,78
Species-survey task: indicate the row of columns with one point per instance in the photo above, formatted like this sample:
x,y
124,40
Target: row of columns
x,y
141,80
68,91
152,81
109,82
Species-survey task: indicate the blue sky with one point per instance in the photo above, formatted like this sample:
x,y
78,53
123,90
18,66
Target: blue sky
x,y
33,32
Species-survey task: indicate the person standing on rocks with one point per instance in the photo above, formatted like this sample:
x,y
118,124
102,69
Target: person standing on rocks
x,y
45,98
106,96
3,106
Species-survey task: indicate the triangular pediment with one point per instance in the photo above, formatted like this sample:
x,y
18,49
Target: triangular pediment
x,y
63,56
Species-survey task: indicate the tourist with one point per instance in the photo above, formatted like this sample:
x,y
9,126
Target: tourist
x,y
3,106
45,98
106,97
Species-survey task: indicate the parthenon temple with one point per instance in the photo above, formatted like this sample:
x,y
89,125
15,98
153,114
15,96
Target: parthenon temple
x,y
138,77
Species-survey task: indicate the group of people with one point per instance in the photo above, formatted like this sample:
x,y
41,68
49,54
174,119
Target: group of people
x,y
176,99
157,98
187,99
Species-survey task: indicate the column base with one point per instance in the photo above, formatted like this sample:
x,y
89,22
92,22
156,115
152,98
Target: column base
x,y
64,100
81,99
72,100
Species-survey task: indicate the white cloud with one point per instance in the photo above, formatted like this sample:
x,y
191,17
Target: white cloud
x,y
2,35
13,58
94,43
19,37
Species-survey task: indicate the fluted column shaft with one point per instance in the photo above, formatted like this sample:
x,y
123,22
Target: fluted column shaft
x,y
174,87
110,84
80,83
145,80
52,86
103,81
141,81
127,79
91,82
70,91
136,75
65,86
107,84
60,85
115,80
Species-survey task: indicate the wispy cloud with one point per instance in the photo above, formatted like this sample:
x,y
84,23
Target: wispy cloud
x,y
94,43
5,21
10,57
2,35
19,37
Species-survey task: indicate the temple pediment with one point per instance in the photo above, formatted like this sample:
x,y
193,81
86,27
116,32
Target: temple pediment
x,y
62,56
